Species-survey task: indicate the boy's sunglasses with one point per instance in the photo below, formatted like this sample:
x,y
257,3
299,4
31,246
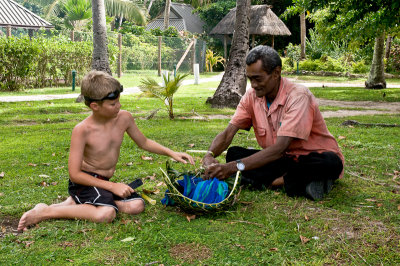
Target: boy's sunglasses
x,y
111,96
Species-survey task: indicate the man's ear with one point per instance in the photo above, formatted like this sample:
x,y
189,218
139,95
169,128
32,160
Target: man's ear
x,y
277,72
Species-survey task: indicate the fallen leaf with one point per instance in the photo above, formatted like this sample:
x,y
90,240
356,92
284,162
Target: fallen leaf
x,y
53,154
108,238
151,177
1,194
306,218
125,221
191,145
155,192
240,246
32,164
379,204
341,137
54,183
160,184
66,244
46,164
190,217
304,239
398,207
2,174
59,167
3,229
69,260
273,249
43,184
28,243
147,158
128,239
45,176
275,207
129,164
371,200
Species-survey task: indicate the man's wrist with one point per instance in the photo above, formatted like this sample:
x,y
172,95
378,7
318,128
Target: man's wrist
x,y
210,153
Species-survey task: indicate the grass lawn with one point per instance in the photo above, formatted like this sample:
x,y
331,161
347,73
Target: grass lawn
x,y
357,223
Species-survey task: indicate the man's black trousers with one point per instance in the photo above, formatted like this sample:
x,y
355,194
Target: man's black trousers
x,y
296,172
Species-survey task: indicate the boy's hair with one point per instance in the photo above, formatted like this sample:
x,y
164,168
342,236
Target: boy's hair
x,y
97,85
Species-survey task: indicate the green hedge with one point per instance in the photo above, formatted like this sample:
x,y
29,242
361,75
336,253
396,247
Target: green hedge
x,y
44,61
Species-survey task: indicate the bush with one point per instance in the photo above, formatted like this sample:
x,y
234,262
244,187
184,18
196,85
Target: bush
x,y
393,64
309,65
359,67
18,57
287,64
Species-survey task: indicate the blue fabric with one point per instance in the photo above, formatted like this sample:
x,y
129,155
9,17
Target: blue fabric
x,y
206,191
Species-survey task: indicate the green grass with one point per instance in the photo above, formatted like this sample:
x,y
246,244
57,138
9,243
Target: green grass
x,y
357,94
337,79
357,223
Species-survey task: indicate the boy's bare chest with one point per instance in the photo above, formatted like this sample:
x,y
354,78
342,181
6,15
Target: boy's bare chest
x,y
107,139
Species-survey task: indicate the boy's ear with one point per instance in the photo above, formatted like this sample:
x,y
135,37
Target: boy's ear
x,y
94,106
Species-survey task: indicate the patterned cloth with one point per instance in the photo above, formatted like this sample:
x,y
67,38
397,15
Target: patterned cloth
x,y
195,188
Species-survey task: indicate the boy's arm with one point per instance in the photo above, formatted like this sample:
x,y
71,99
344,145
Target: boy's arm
x,y
78,142
152,146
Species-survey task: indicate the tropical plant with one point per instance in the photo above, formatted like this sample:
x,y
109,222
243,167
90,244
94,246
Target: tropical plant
x,y
212,60
77,12
164,91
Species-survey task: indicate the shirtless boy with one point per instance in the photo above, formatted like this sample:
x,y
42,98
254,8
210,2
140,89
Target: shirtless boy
x,y
94,152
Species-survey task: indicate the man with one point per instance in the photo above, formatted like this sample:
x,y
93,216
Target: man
x,y
298,152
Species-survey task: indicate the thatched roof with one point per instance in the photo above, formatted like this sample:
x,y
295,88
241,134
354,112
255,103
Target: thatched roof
x,y
262,22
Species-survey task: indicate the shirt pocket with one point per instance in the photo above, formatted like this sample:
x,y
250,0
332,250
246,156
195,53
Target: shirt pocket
x,y
261,134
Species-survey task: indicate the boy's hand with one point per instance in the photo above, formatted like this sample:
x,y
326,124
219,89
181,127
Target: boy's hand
x,y
182,157
121,190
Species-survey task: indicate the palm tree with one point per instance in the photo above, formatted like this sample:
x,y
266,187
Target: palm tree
x,y
303,35
165,91
376,77
166,13
212,60
77,12
100,53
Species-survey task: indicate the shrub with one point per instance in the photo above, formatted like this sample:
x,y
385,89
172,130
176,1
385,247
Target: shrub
x,y
359,67
18,57
293,53
309,65
393,64
287,64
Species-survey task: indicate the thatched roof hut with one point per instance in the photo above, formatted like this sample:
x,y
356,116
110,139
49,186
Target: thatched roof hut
x,y
262,22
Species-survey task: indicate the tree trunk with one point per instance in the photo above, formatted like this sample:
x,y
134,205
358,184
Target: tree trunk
x,y
166,14
233,83
303,36
100,54
388,45
376,78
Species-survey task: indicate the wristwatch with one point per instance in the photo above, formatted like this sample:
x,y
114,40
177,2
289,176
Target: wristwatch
x,y
240,165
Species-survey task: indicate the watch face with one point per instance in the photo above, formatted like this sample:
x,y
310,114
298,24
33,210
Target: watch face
x,y
240,165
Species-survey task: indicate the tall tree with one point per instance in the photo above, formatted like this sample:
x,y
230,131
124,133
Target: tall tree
x,y
166,13
356,21
77,12
233,83
303,33
100,53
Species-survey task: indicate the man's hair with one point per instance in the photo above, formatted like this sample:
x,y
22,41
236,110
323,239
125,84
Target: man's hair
x,y
97,85
269,57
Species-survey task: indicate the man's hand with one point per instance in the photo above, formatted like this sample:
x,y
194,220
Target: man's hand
x,y
220,171
121,190
208,160
182,157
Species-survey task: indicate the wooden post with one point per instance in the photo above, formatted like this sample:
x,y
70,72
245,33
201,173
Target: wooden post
x,y
119,66
193,55
272,41
184,55
253,39
72,35
225,49
8,30
159,55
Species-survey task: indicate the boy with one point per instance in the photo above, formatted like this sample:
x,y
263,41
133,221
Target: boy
x,y
94,152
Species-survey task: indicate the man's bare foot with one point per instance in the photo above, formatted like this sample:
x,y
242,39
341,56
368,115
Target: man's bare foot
x,y
33,216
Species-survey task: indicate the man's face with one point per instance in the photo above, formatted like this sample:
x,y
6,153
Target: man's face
x,y
264,84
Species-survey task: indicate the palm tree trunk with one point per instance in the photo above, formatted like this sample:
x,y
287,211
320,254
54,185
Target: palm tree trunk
x,y
100,53
166,14
388,45
376,77
233,83
303,35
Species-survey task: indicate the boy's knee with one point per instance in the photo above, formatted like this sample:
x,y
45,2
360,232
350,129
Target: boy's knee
x,y
105,215
136,207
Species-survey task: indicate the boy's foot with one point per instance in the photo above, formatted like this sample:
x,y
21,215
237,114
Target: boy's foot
x,y
31,217
315,190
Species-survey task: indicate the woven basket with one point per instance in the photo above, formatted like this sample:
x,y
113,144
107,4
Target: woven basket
x,y
191,206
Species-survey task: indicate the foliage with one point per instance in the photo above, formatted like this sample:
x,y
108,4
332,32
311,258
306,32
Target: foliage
x,y
394,59
77,12
213,13
293,53
212,60
165,91
359,67
18,58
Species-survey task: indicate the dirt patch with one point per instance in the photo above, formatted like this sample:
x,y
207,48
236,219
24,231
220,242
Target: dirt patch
x,y
190,253
8,225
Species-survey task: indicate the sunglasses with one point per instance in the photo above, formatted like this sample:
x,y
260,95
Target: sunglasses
x,y
111,96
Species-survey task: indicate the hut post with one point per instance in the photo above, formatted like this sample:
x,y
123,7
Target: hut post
x,y
193,54
8,30
253,38
226,49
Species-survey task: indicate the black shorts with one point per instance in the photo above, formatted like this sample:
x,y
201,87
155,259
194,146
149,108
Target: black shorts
x,y
97,196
